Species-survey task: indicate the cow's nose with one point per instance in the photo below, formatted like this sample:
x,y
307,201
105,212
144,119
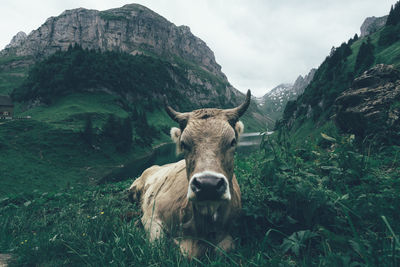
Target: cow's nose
x,y
208,187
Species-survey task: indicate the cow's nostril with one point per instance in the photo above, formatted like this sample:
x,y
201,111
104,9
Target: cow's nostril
x,y
195,185
221,186
208,187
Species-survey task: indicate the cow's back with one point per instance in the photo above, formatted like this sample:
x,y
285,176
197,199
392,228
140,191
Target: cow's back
x,y
161,191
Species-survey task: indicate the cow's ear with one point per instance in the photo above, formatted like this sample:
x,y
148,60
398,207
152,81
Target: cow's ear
x,y
239,127
175,134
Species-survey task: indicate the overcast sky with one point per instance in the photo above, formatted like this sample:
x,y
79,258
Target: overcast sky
x,y
258,43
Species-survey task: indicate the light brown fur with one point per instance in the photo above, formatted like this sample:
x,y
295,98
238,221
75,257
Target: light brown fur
x,y
166,209
208,139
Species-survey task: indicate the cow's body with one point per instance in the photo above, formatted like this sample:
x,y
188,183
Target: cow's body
x,y
162,192
196,199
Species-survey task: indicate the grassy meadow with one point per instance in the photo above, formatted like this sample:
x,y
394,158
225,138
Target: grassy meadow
x,y
324,203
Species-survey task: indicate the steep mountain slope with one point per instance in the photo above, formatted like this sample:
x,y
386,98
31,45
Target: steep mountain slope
x,y
338,73
135,30
88,80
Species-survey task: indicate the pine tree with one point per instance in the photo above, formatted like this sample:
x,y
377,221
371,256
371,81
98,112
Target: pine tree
x,y
87,134
352,40
365,57
390,19
110,127
394,15
144,130
125,136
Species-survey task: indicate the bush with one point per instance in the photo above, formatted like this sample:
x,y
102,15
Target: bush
x,y
300,201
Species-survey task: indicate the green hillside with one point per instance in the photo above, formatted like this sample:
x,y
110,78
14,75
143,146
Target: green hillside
x,y
86,98
336,75
13,71
36,156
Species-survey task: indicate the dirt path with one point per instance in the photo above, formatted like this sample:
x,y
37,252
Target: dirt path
x,y
3,259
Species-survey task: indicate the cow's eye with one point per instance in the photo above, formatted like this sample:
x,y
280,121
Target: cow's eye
x,y
184,146
233,143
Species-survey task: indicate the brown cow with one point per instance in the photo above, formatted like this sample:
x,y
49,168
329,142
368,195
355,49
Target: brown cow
x,y
196,199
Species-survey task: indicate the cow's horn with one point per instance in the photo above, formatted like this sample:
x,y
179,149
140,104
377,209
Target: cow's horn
x,y
235,113
180,118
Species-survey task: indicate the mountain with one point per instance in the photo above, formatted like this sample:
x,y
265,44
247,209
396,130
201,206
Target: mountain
x,y
372,24
274,102
88,89
132,28
349,89
194,74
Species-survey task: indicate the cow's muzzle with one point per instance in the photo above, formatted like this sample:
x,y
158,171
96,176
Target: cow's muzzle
x,y
208,186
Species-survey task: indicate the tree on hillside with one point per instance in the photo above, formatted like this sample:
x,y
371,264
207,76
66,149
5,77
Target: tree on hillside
x,y
110,127
87,134
394,15
391,32
125,136
145,132
352,40
389,35
79,70
365,57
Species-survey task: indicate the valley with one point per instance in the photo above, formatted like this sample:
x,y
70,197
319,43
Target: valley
x,y
318,164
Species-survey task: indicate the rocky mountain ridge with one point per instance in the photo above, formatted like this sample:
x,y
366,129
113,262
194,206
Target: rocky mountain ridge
x,y
136,30
17,40
132,28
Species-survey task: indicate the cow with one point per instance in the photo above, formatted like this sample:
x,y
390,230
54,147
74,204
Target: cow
x,y
195,200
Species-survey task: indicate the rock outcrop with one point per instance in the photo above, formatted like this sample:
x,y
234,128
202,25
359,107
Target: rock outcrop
x,y
371,108
302,82
132,28
17,40
372,24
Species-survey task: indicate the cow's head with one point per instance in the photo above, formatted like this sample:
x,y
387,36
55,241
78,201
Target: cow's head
x,y
208,138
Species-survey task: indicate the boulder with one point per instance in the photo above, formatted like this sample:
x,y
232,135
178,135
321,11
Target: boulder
x,y
371,108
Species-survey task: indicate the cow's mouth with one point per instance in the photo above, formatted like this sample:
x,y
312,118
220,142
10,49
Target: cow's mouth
x,y
208,186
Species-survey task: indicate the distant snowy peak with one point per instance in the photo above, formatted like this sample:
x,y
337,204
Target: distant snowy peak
x,y
274,101
279,91
287,90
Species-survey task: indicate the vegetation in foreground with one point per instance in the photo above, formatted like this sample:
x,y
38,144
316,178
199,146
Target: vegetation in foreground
x,y
329,203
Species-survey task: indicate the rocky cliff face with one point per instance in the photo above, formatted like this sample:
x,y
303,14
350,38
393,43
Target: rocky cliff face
x,y
17,40
371,108
372,24
133,29
302,82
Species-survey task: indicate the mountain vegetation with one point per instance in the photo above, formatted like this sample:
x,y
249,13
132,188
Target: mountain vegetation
x,y
337,73
78,70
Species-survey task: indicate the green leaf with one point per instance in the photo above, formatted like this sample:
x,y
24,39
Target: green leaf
x,y
327,137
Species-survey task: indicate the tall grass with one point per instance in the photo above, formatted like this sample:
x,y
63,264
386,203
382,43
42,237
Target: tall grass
x,y
323,205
